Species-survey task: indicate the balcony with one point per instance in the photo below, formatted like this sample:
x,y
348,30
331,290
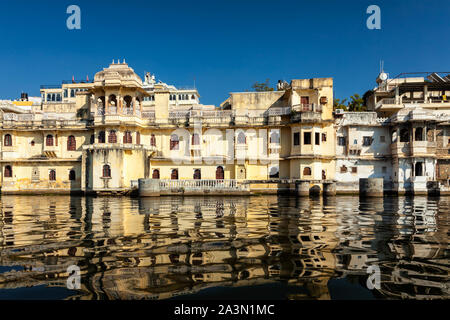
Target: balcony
x,y
202,185
354,150
306,113
422,148
430,102
307,108
385,101
400,149
415,148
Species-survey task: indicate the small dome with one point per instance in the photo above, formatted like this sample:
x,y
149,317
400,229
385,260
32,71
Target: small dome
x,y
117,72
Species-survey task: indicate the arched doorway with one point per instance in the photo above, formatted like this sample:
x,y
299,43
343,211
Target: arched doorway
x,y
112,101
419,134
174,174
418,172
220,174
174,142
52,175
153,140
101,137
195,139
72,175
71,143
127,105
8,172
100,106
49,141
106,171
306,171
197,174
112,137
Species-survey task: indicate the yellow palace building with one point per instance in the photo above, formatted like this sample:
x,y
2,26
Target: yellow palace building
x,y
118,132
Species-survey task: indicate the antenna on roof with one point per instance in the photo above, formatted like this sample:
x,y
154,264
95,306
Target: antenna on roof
x,y
381,66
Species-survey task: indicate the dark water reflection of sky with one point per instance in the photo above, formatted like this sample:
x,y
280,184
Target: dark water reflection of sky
x,y
262,247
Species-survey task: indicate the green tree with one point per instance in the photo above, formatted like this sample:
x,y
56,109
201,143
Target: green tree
x,y
356,103
338,104
262,86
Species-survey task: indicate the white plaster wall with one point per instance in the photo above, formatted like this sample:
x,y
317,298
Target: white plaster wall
x,y
366,169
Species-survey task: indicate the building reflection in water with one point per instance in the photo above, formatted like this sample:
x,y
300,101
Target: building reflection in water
x,y
170,246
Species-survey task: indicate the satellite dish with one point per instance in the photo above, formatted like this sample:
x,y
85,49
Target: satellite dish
x,y
383,76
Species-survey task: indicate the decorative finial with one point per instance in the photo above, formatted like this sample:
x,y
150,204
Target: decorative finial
x,y
112,62
123,60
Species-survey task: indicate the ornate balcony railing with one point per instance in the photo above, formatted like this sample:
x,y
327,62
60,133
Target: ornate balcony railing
x,y
385,101
207,184
18,117
280,111
148,114
307,107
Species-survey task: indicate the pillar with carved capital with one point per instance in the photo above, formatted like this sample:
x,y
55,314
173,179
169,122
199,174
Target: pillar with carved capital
x,y
133,101
106,103
120,105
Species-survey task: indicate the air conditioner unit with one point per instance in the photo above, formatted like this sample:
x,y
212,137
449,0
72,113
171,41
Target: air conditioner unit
x,y
339,111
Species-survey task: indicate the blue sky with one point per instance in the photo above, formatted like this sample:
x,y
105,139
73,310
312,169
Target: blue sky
x,y
226,45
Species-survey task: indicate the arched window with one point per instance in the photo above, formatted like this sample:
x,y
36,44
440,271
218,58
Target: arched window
x,y
174,174
52,175
419,169
101,137
306,171
71,143
112,100
72,93
8,172
220,173
195,139
155,174
127,104
138,138
49,141
241,138
274,138
127,138
192,97
274,172
72,175
174,142
106,171
112,137
197,174
8,140
153,140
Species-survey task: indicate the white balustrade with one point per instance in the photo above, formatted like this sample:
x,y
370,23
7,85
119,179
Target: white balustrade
x,y
200,184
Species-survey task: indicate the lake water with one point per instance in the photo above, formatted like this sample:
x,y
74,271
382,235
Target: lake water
x,y
261,247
